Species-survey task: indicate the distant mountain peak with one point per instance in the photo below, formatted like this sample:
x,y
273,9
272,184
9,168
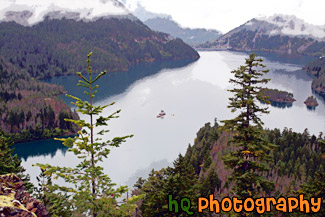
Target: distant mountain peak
x,y
284,35
36,10
143,14
280,24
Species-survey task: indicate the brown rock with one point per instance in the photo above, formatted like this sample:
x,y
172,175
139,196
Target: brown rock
x,y
11,183
19,184
30,206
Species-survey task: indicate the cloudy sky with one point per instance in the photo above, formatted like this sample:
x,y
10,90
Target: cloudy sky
x,y
223,15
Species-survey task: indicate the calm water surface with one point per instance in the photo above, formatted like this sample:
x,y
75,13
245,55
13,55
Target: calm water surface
x,y
191,95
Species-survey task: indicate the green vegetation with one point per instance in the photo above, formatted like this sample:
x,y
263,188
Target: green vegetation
x,y
276,95
311,101
179,181
10,163
58,47
317,69
239,158
314,188
277,98
296,161
248,161
30,109
298,157
90,190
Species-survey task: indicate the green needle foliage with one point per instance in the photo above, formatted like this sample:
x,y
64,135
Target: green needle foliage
x,y
10,163
249,161
88,190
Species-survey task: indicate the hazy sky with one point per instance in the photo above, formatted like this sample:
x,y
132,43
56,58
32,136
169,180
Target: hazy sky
x,y
225,15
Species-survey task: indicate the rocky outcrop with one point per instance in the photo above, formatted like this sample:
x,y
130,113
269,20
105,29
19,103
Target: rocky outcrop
x,y
15,201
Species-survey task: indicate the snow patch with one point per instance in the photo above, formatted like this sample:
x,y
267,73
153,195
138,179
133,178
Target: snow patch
x,y
30,12
291,25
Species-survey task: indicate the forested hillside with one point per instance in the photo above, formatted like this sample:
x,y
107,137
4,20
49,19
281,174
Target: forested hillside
x,y
57,47
296,160
30,109
317,69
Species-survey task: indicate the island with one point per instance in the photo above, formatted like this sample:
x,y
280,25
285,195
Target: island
x,y
277,98
311,102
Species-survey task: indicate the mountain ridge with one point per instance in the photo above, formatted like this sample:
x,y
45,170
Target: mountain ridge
x,y
87,10
57,47
260,35
192,36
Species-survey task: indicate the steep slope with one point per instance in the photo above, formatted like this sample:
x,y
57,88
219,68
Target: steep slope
x,y
54,41
35,11
190,36
297,158
317,69
30,109
279,34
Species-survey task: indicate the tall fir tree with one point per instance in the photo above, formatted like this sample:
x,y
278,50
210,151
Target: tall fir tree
x,y
173,183
10,163
249,161
88,190
314,188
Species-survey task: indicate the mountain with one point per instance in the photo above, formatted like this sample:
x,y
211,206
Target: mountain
x,y
279,34
37,10
165,23
30,109
191,36
143,14
49,40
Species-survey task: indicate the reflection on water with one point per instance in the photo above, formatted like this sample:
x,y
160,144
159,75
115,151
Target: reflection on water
x,y
311,108
281,105
116,82
191,96
38,148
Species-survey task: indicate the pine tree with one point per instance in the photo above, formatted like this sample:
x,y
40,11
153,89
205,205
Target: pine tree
x,y
10,163
155,200
314,188
93,192
182,182
249,161
179,181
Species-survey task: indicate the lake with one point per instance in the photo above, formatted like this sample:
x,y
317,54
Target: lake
x,y
191,94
